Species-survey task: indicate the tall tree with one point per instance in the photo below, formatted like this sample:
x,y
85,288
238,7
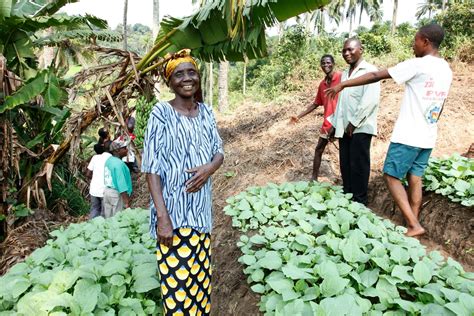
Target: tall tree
x,y
428,7
156,18
223,86
125,33
211,84
394,16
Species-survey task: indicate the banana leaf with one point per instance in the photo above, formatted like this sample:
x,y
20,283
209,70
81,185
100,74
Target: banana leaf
x,y
234,29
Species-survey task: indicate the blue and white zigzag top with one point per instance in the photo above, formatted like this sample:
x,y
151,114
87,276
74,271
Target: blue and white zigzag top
x,y
174,143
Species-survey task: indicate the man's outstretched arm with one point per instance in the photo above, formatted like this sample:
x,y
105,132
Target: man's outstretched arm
x,y
370,77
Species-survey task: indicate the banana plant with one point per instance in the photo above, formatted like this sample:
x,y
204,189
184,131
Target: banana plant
x,y
33,99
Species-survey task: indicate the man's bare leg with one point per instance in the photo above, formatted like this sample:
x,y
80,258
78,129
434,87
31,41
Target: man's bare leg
x,y
318,153
401,199
415,193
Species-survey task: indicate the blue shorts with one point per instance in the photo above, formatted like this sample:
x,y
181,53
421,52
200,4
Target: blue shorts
x,y
402,159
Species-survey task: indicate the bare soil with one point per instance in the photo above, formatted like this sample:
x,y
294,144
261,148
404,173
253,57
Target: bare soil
x,y
262,147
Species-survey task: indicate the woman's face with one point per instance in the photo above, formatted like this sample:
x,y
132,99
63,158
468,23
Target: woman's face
x,y
184,80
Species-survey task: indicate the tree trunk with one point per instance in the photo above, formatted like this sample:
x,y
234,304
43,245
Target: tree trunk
x,y
244,78
308,22
223,91
281,30
211,84
394,16
156,18
125,11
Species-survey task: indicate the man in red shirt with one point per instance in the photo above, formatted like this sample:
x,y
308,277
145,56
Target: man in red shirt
x,y
332,78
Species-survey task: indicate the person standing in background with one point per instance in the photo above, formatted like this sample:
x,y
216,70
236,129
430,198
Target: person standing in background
x,y
117,181
427,79
355,123
329,104
95,172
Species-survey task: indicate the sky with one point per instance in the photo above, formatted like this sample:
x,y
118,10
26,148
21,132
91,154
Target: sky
x,y
140,11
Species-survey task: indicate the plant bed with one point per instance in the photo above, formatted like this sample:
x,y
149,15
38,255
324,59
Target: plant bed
x,y
448,224
100,267
308,250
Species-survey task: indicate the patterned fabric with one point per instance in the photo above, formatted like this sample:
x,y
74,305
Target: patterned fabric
x,y
185,273
173,144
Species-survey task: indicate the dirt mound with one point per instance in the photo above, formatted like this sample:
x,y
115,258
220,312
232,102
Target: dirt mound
x,y
449,225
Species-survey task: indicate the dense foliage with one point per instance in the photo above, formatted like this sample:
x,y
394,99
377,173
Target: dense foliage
x,y
458,22
101,267
452,177
314,252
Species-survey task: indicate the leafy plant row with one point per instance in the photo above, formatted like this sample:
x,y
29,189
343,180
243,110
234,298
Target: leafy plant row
x,y
452,177
100,267
309,250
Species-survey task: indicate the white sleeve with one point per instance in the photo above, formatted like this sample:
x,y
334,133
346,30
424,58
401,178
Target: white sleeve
x,y
404,71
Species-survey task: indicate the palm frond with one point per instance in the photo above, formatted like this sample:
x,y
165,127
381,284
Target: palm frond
x,y
35,8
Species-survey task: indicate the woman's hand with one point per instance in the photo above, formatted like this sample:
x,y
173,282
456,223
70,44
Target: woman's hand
x,y
197,181
164,230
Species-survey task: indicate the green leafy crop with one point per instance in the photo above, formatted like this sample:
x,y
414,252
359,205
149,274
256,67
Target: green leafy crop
x,y
452,177
101,267
309,250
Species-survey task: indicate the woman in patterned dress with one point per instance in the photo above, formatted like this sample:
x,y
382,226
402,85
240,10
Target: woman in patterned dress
x,y
182,149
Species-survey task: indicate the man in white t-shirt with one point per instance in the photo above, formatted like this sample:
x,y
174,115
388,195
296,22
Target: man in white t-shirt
x,y
427,80
95,171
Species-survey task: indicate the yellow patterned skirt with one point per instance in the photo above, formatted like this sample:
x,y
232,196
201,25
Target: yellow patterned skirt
x,y
185,273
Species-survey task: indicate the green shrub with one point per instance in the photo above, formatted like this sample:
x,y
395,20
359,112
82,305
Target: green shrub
x,y
100,267
315,252
65,188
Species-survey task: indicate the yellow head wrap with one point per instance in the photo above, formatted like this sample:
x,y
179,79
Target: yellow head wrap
x,y
183,56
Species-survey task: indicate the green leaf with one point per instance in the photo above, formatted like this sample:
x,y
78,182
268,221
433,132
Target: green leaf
x,y
53,94
258,240
258,288
271,261
143,285
117,280
451,295
63,281
333,285
305,226
86,293
5,8
114,266
257,275
28,91
421,273
401,272
280,285
369,277
386,291
248,259
436,310
458,309
246,214
295,273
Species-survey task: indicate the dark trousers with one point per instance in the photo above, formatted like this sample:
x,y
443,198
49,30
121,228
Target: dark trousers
x,y
96,207
354,158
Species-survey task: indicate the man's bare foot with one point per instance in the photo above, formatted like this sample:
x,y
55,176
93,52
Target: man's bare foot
x,y
415,231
